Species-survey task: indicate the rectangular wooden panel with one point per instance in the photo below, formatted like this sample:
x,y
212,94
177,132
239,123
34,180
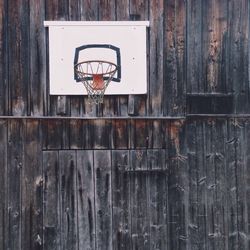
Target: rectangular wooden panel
x,y
121,134
210,104
177,186
238,53
121,217
52,134
102,134
219,215
194,45
139,134
195,239
214,224
175,69
241,129
214,45
246,135
32,188
158,199
4,65
86,200
103,202
139,190
52,201
201,184
37,57
232,185
75,134
18,55
156,134
68,199
3,184
15,163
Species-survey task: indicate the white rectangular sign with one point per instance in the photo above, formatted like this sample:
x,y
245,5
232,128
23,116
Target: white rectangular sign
x,y
121,43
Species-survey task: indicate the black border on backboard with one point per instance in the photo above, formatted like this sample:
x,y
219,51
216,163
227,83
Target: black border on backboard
x,y
107,46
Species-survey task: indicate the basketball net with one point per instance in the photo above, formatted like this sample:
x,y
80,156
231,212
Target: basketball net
x,y
95,76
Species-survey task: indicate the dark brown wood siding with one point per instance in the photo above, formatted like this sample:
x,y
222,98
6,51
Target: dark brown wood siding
x,y
194,47
164,171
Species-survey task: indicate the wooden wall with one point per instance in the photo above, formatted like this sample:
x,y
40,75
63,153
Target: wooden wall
x,y
194,47
164,171
180,184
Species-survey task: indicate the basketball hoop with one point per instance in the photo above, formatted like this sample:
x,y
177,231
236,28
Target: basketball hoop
x,y
96,76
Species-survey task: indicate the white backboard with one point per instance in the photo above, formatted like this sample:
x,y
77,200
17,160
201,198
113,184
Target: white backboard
x,y
129,37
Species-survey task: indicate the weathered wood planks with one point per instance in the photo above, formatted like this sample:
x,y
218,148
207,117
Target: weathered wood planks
x,y
32,188
188,192
127,183
193,46
15,158
3,185
86,200
51,192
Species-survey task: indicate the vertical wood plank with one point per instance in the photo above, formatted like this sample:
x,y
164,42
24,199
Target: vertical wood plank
x,y
241,178
3,58
75,134
231,183
74,10
88,134
89,10
193,226
214,42
177,186
52,212
220,185
103,199
69,234
86,200
56,9
140,227
158,196
65,134
3,184
18,42
210,137
156,134
53,134
121,226
37,57
201,186
246,139
139,136
175,85
156,56
32,188
215,183
195,75
238,61
15,164
121,134
102,134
